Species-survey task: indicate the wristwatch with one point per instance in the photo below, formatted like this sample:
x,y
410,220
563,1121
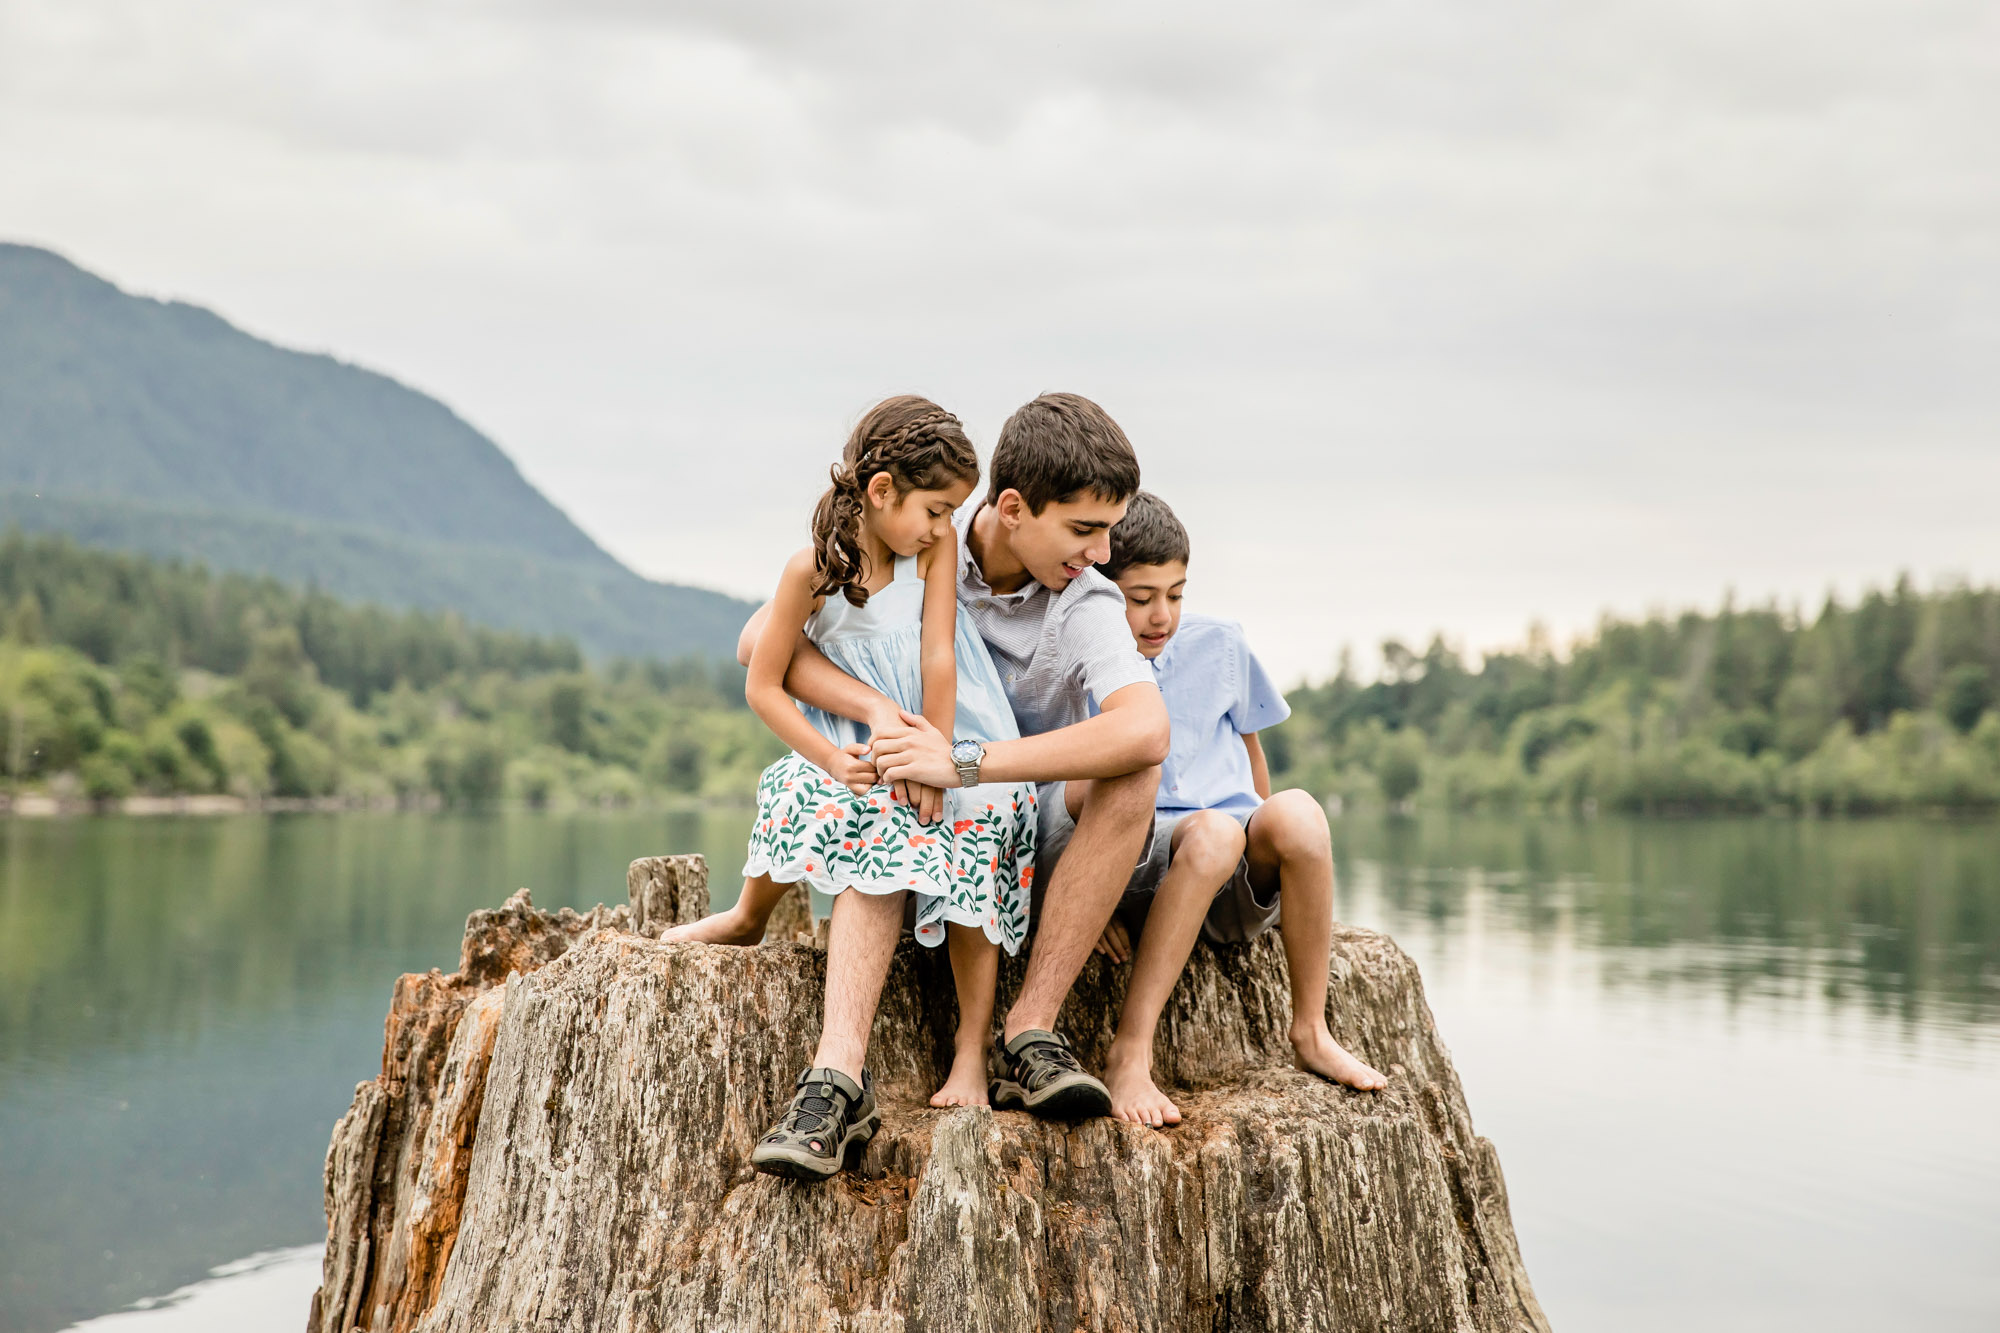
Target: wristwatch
x,y
966,756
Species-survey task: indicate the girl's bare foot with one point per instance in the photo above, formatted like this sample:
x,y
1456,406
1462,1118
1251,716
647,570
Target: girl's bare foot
x,y
731,927
1315,1051
1135,1098
966,1085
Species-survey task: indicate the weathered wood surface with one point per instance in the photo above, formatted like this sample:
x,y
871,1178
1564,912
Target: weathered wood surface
x,y
578,1158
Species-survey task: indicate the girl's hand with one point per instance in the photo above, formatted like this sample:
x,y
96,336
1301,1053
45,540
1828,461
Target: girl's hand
x,y
1115,943
852,769
928,802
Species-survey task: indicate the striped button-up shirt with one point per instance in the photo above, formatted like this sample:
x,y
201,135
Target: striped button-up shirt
x,y
1058,653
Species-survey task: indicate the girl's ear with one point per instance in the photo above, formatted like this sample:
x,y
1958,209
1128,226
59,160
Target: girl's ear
x,y
881,490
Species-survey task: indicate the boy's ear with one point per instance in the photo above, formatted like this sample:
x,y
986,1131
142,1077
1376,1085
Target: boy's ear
x,y
1011,507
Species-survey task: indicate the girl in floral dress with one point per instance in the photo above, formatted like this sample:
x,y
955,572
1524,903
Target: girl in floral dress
x,y
877,593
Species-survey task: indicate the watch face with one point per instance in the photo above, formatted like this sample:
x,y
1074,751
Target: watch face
x,y
964,752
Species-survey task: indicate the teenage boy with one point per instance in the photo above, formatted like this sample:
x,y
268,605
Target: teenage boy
x,y
1224,849
1093,733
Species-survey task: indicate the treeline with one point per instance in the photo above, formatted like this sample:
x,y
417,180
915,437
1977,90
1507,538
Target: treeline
x,y
123,676
113,608
1886,704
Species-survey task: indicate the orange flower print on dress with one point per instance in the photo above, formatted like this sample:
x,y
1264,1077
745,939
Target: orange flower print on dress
x,y
974,870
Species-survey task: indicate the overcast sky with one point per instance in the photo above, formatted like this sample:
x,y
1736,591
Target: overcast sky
x,y
1443,316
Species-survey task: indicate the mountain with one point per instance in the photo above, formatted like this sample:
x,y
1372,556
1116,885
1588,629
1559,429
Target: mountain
x,y
159,427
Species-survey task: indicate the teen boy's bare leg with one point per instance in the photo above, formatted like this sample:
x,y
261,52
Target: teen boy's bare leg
x,y
1206,849
1290,845
860,943
743,923
1111,824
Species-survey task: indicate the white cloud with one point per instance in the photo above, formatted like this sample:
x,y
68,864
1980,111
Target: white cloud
x,y
1455,314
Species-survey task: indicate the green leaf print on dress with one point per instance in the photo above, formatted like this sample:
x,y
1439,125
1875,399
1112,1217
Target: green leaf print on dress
x,y
976,869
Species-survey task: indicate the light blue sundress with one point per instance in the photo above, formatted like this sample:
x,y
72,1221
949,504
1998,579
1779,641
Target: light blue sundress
x,y
976,866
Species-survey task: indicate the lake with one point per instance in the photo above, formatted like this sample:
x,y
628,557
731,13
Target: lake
x,y
1742,1074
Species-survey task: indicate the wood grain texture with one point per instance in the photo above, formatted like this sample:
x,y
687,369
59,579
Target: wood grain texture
x,y
598,1177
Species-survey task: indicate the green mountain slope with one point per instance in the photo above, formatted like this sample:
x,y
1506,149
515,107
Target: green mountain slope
x,y
159,427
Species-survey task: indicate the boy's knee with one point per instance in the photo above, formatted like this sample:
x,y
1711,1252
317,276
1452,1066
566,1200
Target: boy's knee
x,y
1209,840
1294,824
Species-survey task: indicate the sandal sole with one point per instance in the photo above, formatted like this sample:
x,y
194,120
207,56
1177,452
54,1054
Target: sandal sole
x,y
1072,1099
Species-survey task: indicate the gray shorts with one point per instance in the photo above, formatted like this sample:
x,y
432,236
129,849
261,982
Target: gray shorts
x,y
1239,912
1053,829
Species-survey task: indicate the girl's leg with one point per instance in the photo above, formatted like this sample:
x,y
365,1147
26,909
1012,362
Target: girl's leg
x,y
975,971
742,923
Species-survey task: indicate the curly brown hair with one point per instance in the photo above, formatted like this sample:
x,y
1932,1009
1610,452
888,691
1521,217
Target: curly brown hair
x,y
920,445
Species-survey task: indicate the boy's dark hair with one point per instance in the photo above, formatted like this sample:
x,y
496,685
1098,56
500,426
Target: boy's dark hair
x,y
1058,447
1149,534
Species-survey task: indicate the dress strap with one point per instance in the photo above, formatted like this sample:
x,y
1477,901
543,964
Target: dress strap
x,y
906,569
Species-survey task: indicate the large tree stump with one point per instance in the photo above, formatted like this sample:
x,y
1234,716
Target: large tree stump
x,y
579,1159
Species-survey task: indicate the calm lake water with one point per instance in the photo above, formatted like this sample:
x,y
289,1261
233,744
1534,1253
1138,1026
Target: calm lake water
x,y
1742,1074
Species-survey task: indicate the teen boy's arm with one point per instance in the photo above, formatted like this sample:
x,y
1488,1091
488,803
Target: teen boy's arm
x,y
1129,734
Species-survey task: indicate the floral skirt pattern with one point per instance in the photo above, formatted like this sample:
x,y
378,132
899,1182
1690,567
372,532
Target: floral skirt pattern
x,y
974,868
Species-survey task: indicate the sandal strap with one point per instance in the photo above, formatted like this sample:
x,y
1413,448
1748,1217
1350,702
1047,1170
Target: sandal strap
x,y
1036,1057
822,1103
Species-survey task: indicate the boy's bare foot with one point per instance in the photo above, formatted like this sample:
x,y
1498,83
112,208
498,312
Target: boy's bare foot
x,y
1315,1051
966,1085
1135,1098
728,927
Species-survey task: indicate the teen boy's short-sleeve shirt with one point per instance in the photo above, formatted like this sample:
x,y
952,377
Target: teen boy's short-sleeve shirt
x,y
1058,652
1217,692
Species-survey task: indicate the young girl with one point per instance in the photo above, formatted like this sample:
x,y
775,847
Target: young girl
x,y
877,592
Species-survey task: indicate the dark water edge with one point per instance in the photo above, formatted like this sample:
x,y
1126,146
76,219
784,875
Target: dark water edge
x,y
1719,1056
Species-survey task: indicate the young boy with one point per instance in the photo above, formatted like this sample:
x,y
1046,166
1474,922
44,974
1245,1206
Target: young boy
x,y
1224,850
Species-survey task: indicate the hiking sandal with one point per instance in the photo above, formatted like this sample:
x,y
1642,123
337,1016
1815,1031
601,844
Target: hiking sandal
x,y
1043,1077
828,1114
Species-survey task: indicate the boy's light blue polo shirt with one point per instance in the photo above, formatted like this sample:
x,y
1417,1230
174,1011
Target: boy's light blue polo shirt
x,y
1217,692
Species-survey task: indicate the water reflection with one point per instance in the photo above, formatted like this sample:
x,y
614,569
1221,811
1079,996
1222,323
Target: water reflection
x,y
1899,917
186,1005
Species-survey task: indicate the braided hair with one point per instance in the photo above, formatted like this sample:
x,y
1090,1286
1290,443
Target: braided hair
x,y
920,445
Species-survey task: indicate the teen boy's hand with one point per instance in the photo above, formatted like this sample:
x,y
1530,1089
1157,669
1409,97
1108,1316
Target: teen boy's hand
x,y
1115,943
914,751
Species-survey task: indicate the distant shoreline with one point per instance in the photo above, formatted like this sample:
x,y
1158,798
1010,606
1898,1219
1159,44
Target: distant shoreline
x,y
42,805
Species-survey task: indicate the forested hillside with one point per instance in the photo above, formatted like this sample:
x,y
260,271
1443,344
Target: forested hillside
x,y
122,676
158,427
1882,705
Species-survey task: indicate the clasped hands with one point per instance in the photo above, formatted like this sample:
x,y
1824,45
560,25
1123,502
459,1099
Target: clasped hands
x,y
906,753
